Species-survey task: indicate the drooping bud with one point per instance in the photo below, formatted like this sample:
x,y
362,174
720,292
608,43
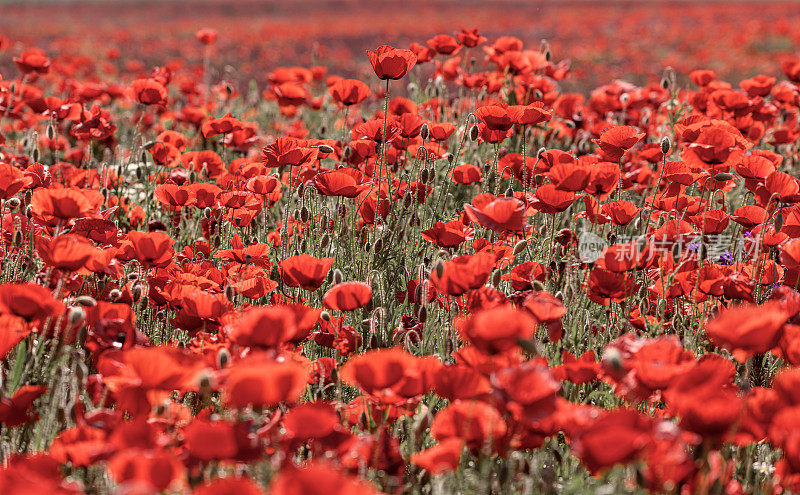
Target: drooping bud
x,y
473,133
85,301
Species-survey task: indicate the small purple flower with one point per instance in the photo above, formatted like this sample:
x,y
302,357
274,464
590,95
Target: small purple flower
x,y
726,258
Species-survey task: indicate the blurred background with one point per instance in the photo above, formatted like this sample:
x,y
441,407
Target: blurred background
x,y
602,40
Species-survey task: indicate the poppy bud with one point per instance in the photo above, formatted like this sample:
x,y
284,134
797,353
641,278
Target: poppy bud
x,y
538,179
367,247
537,285
342,210
510,192
496,277
337,276
665,82
35,154
13,203
114,294
450,158
76,315
612,358
346,153
324,240
324,148
665,145
778,222
520,247
545,48
81,371
223,357
723,176
193,176
378,245
17,239
230,292
422,314
304,214
205,384
439,268
473,132
136,292
424,131
423,176
86,301
325,316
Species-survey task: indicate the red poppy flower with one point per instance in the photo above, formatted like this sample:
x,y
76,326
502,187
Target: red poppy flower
x,y
389,376
151,249
532,114
349,91
477,424
443,457
447,235
29,301
286,151
347,296
261,381
444,44
497,330
318,479
391,63
267,326
748,329
18,409
68,252
466,174
305,271
55,206
33,60
463,273
206,36
346,182
500,214
156,470
605,287
148,92
616,438
494,117
614,142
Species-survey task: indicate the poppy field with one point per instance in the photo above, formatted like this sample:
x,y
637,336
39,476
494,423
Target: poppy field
x,y
319,248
